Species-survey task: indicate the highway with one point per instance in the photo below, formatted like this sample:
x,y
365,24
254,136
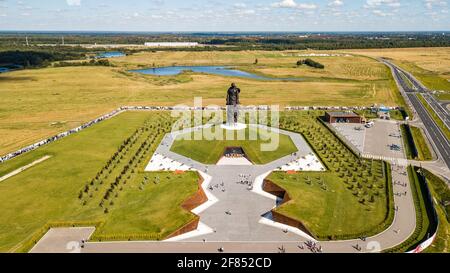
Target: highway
x,y
438,108
440,141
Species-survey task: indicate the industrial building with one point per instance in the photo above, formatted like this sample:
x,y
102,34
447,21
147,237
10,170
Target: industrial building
x,y
343,117
172,44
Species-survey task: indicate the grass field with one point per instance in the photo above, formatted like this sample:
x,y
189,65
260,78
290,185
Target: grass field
x,y
147,209
38,103
209,152
429,65
75,185
351,199
416,147
421,144
328,212
411,150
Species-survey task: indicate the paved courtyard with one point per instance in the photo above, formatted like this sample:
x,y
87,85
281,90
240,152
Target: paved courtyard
x,y
238,212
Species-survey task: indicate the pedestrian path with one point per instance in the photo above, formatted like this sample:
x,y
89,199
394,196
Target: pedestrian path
x,y
21,169
399,161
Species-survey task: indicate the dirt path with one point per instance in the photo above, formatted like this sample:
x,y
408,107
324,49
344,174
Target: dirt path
x,y
21,169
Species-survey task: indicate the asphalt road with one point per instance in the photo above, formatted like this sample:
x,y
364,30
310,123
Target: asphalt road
x,y
417,84
438,108
437,137
440,140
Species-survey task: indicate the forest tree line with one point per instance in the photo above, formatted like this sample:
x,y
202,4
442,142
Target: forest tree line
x,y
240,41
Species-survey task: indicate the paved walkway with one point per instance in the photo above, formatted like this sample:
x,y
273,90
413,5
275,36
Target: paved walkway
x,y
237,216
63,240
21,169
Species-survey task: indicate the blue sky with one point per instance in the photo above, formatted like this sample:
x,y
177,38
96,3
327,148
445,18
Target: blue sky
x,y
231,15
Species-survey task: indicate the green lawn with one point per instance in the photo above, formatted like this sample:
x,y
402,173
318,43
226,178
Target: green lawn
x,y
398,115
327,208
55,190
410,147
421,144
209,152
416,147
146,209
443,96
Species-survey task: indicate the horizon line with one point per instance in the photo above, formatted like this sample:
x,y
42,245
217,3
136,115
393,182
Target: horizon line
x,y
230,31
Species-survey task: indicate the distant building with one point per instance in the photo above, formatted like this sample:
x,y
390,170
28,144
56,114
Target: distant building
x,y
343,117
172,44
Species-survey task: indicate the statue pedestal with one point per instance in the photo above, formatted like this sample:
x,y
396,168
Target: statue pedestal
x,y
233,126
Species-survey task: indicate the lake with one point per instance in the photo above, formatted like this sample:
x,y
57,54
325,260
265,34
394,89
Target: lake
x,y
215,70
3,69
112,54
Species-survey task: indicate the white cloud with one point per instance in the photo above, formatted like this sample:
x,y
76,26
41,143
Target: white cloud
x,y
336,3
240,5
293,4
247,12
431,3
285,4
381,13
377,3
73,2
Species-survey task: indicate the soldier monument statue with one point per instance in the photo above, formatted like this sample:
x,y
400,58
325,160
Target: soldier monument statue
x,y
233,104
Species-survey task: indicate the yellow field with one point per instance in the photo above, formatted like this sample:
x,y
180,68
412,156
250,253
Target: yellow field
x,y
41,102
432,59
430,65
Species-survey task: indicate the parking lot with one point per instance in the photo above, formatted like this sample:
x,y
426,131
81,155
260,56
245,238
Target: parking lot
x,y
355,134
384,139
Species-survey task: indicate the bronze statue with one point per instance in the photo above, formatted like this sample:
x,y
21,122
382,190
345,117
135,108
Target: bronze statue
x,y
233,104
